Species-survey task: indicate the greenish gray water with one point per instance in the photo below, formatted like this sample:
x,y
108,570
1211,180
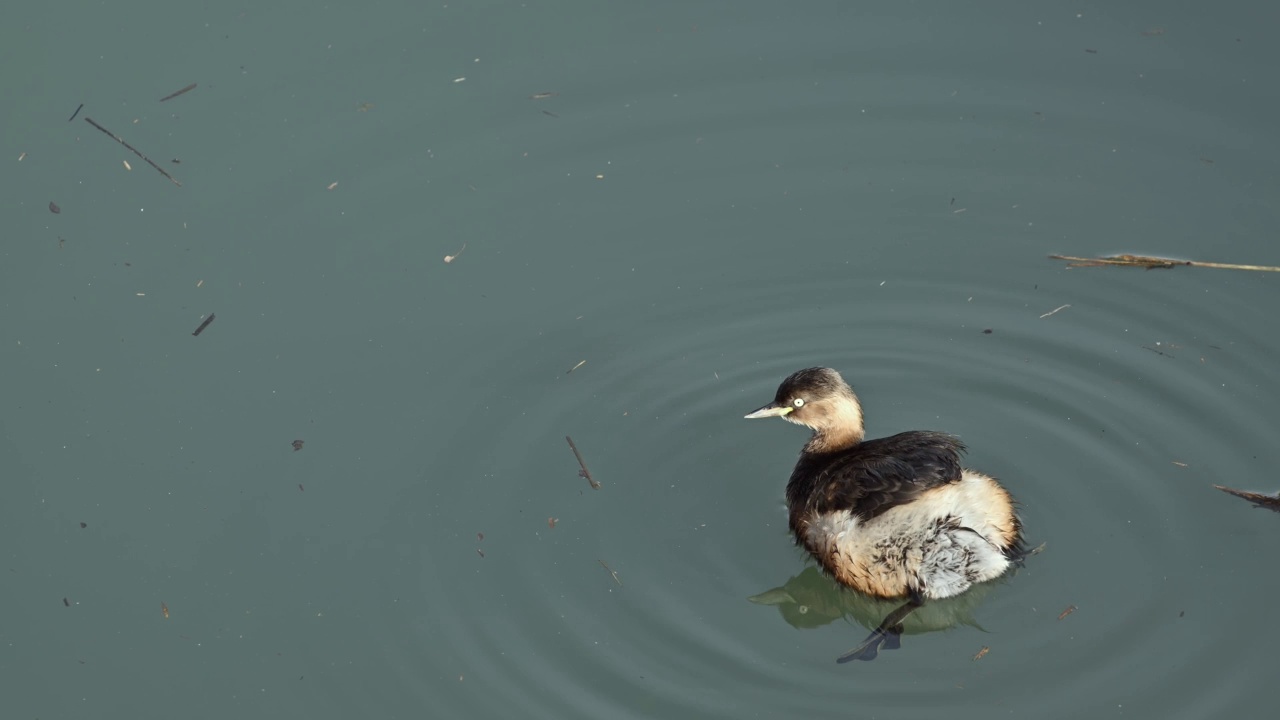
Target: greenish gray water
x,y
717,195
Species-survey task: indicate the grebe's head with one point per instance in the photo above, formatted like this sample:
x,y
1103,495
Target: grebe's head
x,y
820,399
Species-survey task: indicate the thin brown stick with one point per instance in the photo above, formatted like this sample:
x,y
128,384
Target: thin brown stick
x,y
1151,262
1270,502
173,95
120,140
583,464
611,571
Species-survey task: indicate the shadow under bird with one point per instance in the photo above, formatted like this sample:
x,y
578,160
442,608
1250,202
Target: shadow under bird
x,y
895,517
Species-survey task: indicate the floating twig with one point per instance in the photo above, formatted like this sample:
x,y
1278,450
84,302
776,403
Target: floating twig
x,y
584,472
1070,609
1270,502
204,325
611,571
173,95
120,140
982,653
77,112
575,367
1054,311
1150,262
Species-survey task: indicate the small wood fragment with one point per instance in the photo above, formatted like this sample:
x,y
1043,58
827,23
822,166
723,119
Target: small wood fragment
x,y
184,90
611,571
575,367
120,140
1270,502
1070,609
204,325
1151,262
584,472
982,653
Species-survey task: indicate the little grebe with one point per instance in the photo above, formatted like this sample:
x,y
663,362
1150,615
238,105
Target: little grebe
x,y
895,517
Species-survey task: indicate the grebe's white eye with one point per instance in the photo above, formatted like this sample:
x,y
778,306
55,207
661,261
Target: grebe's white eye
x,y
798,402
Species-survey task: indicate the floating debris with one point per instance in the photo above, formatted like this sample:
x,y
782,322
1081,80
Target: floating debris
x,y
1054,311
480,551
84,525
184,90
127,166
575,367
551,522
982,653
120,140
164,609
297,445
53,208
1151,262
1070,609
331,186
543,95
66,602
77,112
584,472
203,325
451,258
611,571
1270,502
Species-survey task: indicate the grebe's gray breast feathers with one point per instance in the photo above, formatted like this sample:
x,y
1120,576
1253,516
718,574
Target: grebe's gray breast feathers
x,y
874,476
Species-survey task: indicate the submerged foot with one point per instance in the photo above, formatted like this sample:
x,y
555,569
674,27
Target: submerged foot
x,y
889,639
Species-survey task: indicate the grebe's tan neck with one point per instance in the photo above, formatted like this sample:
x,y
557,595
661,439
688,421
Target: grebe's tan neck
x,y
837,424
